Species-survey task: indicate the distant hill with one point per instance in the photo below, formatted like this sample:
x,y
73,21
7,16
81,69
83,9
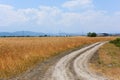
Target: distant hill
x,y
22,33
39,34
30,33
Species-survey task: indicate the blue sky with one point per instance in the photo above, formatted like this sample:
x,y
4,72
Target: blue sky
x,y
54,16
31,3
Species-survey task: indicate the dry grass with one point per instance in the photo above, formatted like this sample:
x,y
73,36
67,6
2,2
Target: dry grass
x,y
109,61
19,54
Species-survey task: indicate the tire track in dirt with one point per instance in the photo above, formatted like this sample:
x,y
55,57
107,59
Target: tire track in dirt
x,y
74,66
71,65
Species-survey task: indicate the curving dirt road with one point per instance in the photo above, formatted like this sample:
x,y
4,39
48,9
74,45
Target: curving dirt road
x,y
74,66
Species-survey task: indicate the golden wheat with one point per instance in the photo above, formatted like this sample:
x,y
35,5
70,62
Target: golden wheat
x,y
19,54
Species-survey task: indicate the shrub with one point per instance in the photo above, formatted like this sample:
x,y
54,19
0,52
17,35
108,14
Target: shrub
x,y
91,34
116,42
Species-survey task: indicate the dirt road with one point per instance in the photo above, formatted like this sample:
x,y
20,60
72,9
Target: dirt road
x,y
73,65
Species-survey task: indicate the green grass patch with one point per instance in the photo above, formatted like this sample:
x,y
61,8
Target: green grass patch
x,y
116,42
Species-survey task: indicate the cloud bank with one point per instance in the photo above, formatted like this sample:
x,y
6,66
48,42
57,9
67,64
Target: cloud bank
x,y
53,18
78,4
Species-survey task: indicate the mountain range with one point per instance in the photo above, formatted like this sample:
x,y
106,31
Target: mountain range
x,y
22,33
30,33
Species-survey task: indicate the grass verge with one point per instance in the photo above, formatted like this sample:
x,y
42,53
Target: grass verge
x,y
107,61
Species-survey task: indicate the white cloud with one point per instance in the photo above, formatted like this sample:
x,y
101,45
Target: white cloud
x,y
54,18
9,16
48,15
70,19
2,6
78,4
117,13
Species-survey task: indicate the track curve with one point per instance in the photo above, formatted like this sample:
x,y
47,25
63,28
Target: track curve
x,y
74,66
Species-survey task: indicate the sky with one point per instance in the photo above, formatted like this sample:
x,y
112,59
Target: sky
x,y
56,16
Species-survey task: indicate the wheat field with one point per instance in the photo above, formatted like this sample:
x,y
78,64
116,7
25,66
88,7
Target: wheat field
x,y
19,54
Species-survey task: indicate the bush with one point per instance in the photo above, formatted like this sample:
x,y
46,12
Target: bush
x,y
91,34
116,42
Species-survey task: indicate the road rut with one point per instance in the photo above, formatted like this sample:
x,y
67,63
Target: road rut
x,y
74,66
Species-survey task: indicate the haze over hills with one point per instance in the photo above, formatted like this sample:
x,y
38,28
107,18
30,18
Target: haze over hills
x,y
21,33
30,33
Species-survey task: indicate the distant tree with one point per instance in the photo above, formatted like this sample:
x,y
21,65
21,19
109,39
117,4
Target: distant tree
x,y
89,34
93,34
45,35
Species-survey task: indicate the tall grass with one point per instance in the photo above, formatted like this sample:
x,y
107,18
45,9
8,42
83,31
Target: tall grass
x,y
19,54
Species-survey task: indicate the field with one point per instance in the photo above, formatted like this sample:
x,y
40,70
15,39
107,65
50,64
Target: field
x,y
108,61
19,54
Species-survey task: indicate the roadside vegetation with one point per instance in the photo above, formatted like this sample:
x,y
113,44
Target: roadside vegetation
x,y
116,42
19,54
108,60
